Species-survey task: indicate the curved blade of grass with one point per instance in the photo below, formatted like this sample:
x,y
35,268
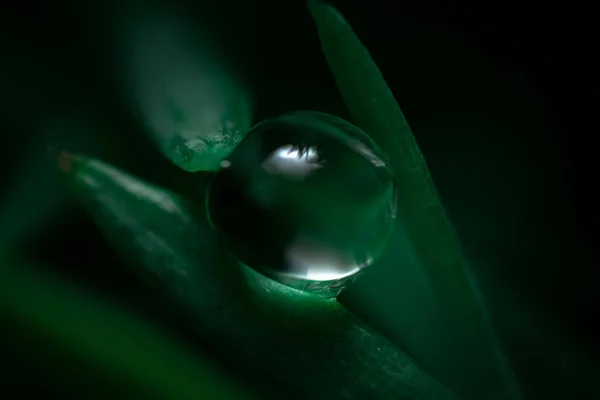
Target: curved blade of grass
x,y
116,347
286,343
421,214
184,91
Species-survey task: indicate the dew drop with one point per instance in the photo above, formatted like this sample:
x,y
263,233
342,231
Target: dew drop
x,y
306,198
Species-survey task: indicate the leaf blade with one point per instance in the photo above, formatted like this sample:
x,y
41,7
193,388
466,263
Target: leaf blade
x,y
422,215
315,347
179,79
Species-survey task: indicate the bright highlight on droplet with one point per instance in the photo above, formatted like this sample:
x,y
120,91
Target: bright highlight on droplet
x,y
293,161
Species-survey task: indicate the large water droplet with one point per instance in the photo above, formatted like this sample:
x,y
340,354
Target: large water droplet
x,y
307,199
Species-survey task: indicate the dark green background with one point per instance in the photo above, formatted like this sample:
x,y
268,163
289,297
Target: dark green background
x,y
488,91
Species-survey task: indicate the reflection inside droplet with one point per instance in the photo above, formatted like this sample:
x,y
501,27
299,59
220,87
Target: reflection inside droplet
x,y
293,161
318,262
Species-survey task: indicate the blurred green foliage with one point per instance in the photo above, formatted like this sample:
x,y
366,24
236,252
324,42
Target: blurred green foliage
x,y
98,348
485,136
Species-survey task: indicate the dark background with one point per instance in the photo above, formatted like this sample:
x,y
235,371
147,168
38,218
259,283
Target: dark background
x,y
494,91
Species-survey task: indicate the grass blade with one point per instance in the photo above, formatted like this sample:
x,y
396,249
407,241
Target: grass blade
x,y
421,214
177,78
286,343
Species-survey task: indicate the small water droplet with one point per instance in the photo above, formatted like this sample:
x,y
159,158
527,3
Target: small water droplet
x,y
306,198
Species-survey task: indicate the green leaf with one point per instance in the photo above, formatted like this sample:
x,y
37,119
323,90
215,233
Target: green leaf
x,y
96,346
179,80
286,343
447,319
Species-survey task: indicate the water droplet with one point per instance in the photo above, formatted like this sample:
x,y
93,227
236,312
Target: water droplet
x,y
307,199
